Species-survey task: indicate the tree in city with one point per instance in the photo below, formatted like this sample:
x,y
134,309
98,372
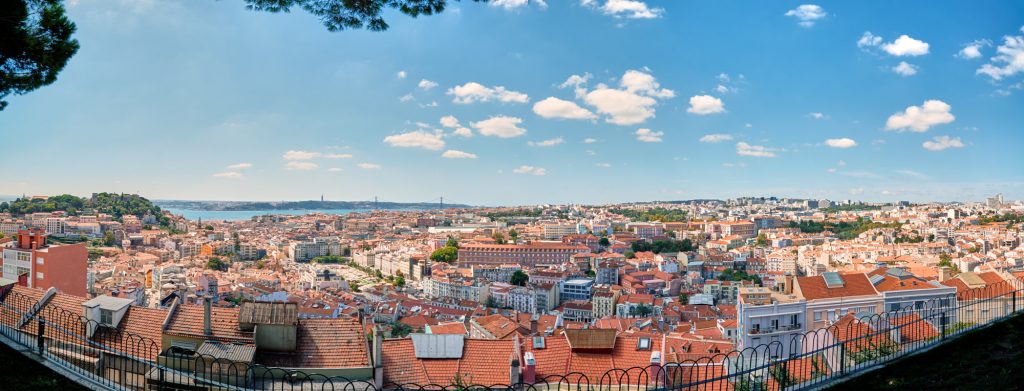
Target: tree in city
x,y
604,242
513,235
108,239
452,242
446,254
216,263
684,298
762,240
519,278
643,310
499,238
629,254
35,45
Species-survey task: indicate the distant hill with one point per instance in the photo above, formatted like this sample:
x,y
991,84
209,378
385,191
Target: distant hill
x,y
115,204
297,205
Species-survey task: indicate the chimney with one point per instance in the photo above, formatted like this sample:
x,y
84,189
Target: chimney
x,y
529,368
788,285
945,273
655,372
513,373
378,359
207,322
533,324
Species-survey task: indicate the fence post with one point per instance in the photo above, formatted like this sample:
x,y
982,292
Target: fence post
x,y
842,358
943,322
41,329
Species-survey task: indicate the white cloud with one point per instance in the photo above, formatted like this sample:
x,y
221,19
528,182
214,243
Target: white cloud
x,y
406,98
817,115
426,85
453,154
734,165
578,84
603,165
621,107
337,156
868,40
451,122
744,149
1008,61
629,9
510,5
972,50
556,108
631,104
705,104
644,84
649,136
547,143
911,173
369,166
402,74
807,14
416,139
841,143
589,140
240,166
524,169
920,118
715,138
229,174
905,69
301,155
857,191
301,166
906,46
940,143
500,126
476,92
335,169
432,103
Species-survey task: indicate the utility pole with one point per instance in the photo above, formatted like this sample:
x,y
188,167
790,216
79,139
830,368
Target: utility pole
x,y
442,202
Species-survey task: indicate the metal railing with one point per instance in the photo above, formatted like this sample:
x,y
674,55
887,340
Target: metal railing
x,y
119,360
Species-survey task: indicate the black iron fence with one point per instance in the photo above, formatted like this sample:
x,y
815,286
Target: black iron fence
x,y
114,359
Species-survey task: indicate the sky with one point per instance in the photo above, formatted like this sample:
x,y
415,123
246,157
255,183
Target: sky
x,y
518,102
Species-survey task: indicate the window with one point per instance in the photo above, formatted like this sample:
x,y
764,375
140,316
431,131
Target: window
x,y
817,316
39,275
106,317
643,343
775,324
39,260
894,307
919,305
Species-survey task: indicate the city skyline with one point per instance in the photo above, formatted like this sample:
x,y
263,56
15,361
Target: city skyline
x,y
523,103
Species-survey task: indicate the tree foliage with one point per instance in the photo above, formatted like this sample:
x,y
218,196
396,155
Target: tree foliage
x,y
738,275
216,263
519,278
653,214
35,45
844,230
115,204
663,246
339,15
446,254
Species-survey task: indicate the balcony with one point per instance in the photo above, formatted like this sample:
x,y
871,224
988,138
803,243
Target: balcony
x,y
773,330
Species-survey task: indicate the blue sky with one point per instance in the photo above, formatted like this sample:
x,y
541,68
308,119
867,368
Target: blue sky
x,y
200,99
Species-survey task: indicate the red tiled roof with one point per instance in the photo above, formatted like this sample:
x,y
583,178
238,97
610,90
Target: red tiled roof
x,y
814,288
323,343
188,321
483,362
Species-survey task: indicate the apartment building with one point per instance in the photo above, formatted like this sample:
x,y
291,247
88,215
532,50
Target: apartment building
x,y
528,255
557,231
63,267
767,317
576,289
832,295
303,251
